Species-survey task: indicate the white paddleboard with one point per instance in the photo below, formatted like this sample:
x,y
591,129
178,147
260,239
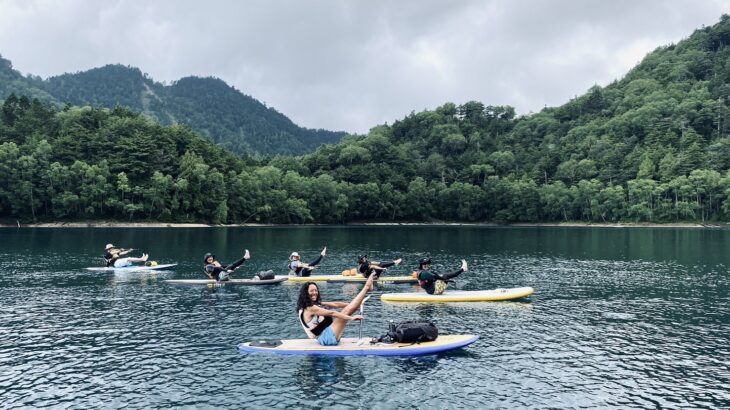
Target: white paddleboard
x,y
357,347
134,268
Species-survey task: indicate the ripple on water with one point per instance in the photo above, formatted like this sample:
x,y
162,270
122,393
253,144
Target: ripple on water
x,y
598,332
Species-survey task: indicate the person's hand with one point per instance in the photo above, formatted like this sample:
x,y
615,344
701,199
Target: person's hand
x,y
357,317
463,265
246,255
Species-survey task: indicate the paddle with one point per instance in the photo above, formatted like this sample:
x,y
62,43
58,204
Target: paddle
x,y
359,342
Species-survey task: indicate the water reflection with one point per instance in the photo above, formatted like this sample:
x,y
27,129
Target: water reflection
x,y
317,372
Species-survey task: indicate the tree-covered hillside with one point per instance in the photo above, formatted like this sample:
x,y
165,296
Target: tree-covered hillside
x,y
207,105
653,146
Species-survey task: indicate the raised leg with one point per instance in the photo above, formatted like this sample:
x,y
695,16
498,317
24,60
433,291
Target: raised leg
x,y
338,325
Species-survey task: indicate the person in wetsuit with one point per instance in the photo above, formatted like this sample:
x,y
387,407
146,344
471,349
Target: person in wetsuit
x,y
433,283
367,267
299,268
113,257
221,272
324,324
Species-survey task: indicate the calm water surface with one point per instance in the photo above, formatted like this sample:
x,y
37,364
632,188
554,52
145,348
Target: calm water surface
x,y
620,318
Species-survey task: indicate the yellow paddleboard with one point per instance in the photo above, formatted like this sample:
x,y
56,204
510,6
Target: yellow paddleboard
x,y
492,295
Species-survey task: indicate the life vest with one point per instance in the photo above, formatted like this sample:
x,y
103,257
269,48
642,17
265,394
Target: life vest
x,y
422,283
295,267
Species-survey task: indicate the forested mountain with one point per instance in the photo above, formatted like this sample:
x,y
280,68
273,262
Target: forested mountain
x,y
207,105
653,146
12,82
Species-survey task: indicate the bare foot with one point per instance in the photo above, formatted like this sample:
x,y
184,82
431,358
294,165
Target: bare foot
x,y
144,257
324,251
398,261
463,265
246,255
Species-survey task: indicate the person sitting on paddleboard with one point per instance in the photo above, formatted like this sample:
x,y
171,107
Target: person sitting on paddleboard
x,y
367,268
299,268
433,283
324,324
112,256
218,271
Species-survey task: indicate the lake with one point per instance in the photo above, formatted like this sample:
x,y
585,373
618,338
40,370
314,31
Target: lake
x,y
620,317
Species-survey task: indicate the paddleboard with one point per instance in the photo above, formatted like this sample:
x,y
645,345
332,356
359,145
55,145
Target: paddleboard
x,y
352,346
135,268
232,282
346,279
460,296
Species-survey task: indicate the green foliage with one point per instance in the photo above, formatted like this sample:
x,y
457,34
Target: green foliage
x,y
651,147
209,106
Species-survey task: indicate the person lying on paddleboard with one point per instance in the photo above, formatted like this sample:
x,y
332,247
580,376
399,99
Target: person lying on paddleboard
x,y
367,268
299,268
218,271
433,283
112,256
324,324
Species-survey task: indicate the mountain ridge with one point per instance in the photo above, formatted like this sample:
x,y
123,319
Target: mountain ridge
x,y
207,105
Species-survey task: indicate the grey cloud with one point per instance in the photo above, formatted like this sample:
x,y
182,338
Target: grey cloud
x,y
348,65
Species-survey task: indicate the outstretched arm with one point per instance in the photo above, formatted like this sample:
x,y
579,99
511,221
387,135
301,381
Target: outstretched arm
x,y
337,305
315,310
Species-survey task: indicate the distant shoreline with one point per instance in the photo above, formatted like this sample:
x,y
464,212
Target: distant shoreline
x,y
107,224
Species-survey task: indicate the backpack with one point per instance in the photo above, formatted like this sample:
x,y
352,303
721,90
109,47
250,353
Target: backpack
x,y
266,275
410,331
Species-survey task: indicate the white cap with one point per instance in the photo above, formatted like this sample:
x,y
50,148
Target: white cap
x,y
108,246
293,254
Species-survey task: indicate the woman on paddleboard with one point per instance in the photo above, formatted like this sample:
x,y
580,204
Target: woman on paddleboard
x,y
299,268
218,271
367,267
324,324
112,256
433,283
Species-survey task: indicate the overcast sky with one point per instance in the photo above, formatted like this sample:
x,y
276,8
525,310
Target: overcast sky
x,y
351,65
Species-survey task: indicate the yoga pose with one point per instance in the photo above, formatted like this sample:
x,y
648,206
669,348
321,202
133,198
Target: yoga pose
x,y
367,267
323,324
218,271
112,256
433,283
299,268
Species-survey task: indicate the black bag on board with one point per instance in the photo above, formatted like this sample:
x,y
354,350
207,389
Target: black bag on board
x,y
410,331
266,275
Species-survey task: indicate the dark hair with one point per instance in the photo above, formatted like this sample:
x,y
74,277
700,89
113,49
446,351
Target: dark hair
x,y
424,261
304,300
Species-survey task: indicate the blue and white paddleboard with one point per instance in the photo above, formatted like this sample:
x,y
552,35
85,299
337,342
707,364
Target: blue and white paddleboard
x,y
352,346
134,268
